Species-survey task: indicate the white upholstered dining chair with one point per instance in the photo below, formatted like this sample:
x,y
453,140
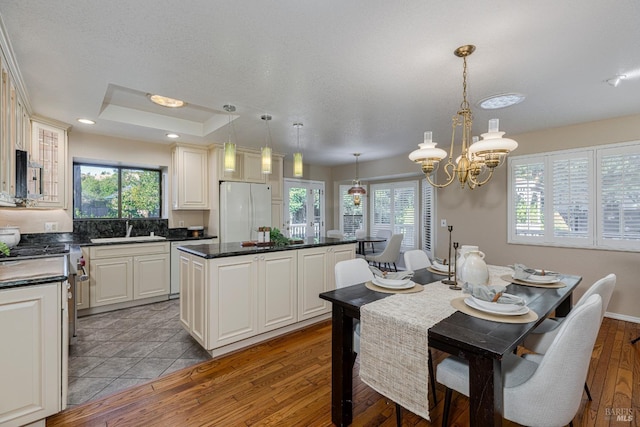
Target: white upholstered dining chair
x,y
539,394
337,234
416,259
542,336
351,272
389,255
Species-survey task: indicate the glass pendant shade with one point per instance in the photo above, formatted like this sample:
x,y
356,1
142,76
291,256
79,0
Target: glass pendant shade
x,y
229,157
427,150
266,160
493,142
297,165
266,150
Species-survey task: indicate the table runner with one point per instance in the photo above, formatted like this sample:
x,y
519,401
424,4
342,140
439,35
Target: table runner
x,y
393,341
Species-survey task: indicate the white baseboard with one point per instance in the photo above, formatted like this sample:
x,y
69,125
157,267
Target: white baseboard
x,y
624,317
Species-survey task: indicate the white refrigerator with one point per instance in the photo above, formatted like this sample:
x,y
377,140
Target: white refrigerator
x,y
243,208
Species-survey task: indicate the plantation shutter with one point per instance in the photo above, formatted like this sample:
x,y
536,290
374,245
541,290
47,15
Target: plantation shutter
x,y
427,216
572,190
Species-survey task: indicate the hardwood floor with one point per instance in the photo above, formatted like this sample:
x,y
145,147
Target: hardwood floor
x,y
287,382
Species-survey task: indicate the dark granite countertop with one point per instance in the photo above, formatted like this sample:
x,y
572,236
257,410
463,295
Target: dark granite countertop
x,y
28,271
221,250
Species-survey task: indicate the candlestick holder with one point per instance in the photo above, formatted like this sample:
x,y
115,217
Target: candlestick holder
x,y
455,286
448,280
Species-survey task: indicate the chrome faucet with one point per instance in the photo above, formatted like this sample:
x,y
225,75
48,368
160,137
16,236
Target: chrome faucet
x,y
129,227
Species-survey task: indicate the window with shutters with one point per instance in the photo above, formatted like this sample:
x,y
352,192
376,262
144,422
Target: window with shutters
x,y
393,207
428,217
592,198
352,217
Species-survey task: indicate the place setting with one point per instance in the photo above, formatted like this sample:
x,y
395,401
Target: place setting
x,y
398,282
491,302
539,278
440,267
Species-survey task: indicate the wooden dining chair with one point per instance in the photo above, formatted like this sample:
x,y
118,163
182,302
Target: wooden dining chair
x,y
527,396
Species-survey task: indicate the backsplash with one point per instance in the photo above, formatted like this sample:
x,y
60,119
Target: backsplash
x,y
118,227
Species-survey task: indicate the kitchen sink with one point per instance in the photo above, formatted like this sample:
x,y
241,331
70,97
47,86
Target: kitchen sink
x,y
128,239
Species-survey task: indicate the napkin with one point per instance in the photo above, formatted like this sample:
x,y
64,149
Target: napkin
x,y
398,275
521,272
488,293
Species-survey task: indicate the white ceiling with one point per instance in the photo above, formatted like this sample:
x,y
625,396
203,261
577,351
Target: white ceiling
x,y
363,76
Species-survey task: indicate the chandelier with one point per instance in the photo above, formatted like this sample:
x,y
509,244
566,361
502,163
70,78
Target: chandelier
x,y
477,160
357,189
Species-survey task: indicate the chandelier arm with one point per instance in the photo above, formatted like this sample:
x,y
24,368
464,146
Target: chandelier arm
x,y
479,183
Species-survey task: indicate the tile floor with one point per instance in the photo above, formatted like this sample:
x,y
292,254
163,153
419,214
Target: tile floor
x,y
123,348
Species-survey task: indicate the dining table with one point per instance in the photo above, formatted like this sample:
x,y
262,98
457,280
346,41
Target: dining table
x,y
483,343
368,239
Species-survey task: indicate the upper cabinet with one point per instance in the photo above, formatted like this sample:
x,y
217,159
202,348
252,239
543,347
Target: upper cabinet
x,y
249,169
47,167
190,178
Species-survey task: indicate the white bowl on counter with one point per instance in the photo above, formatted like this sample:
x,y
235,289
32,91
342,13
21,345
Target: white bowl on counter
x,y
10,235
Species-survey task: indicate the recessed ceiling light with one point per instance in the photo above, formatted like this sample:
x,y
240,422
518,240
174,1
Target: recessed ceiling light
x,y
500,101
173,135
166,101
87,121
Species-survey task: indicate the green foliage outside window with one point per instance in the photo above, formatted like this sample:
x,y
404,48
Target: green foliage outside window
x,y
116,192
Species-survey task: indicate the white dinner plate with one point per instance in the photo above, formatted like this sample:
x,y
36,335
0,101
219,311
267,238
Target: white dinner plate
x,y
471,303
497,306
440,267
544,280
407,285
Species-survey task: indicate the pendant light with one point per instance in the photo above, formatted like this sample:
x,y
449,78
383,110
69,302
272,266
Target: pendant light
x,y
230,147
266,150
297,157
357,189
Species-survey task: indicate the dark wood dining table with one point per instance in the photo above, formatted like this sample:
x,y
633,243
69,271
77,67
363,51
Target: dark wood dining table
x,y
368,239
482,343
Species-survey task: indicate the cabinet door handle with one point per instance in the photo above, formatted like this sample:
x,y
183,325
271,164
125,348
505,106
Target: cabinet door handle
x,y
255,258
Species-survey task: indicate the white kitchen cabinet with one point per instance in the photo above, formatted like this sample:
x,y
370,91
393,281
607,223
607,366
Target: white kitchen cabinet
x,y
277,290
111,281
49,150
121,273
276,215
190,178
276,178
316,275
252,167
234,299
151,275
193,296
31,360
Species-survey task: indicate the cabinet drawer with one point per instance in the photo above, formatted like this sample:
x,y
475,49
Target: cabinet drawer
x,y
111,251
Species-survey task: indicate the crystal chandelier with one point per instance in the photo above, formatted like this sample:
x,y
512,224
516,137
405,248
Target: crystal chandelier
x,y
357,189
477,160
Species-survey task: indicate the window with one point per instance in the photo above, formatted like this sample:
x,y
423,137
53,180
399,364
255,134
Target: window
x,y
352,217
581,198
428,217
394,208
115,192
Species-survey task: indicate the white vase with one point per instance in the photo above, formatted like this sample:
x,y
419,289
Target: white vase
x,y
474,270
464,249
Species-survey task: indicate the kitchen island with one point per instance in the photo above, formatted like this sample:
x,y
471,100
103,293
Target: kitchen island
x,y
233,296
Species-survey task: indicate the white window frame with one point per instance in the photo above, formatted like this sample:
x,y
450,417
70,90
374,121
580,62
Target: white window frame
x,y
342,190
416,220
594,237
428,204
